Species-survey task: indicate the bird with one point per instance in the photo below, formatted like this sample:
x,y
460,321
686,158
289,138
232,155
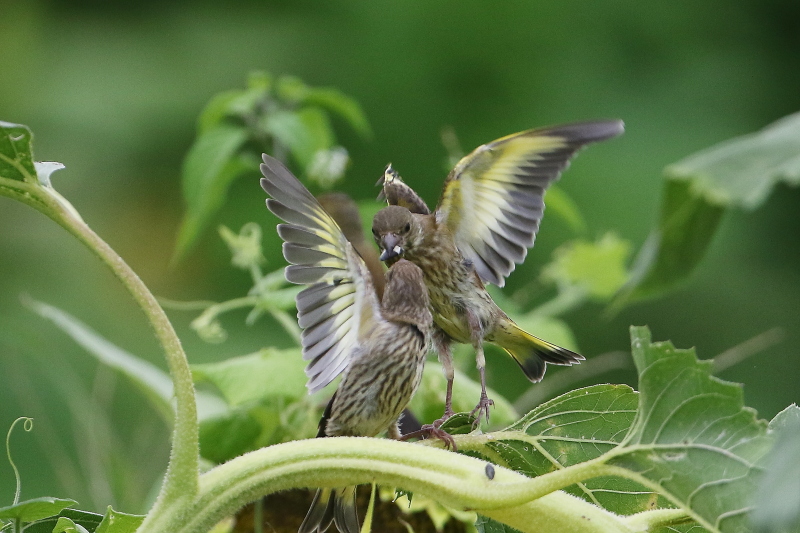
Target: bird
x,y
486,220
378,346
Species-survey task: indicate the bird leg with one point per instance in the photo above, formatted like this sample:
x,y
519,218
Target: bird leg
x,y
482,409
442,343
428,431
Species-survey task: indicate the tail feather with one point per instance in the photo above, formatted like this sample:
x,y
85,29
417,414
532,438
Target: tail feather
x,y
332,506
320,514
344,510
532,353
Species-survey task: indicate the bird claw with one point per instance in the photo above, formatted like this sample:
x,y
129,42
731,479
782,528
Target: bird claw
x,y
481,410
448,412
431,430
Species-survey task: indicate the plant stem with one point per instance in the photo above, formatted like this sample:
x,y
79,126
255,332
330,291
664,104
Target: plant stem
x,y
181,480
454,480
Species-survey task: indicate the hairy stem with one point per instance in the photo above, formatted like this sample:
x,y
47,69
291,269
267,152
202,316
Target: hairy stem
x,y
182,478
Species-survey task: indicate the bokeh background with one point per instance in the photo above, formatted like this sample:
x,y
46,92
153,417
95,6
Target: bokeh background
x,y
113,89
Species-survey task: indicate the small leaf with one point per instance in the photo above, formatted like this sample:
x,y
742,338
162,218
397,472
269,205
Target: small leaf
x,y
216,110
85,519
342,105
487,525
118,522
268,373
65,525
213,162
740,172
596,267
304,132
560,203
16,152
777,501
35,509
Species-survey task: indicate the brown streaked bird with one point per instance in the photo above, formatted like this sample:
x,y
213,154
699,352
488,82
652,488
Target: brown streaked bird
x,y
486,220
380,348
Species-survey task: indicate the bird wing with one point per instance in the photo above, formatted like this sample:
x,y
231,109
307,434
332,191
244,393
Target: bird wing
x,y
492,200
339,308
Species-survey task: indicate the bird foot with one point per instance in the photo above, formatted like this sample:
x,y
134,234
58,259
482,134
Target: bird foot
x,y
430,430
481,410
448,412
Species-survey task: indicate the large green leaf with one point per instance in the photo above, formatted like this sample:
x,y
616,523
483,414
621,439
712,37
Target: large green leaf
x,y
692,441
35,509
777,502
211,165
737,173
16,153
684,441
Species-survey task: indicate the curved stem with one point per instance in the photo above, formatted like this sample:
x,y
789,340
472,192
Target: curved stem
x,y
454,480
182,473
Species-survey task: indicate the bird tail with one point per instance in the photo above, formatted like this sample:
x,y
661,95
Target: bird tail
x,y
532,353
332,505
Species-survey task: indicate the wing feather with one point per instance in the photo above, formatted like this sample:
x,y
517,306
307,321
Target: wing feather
x,y
339,308
493,200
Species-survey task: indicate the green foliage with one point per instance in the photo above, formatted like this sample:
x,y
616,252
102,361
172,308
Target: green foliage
x,y
237,126
16,155
682,454
698,189
777,500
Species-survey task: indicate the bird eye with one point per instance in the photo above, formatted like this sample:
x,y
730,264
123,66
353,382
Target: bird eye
x,y
407,228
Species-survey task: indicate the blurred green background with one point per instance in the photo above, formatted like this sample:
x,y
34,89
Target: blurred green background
x,y
112,90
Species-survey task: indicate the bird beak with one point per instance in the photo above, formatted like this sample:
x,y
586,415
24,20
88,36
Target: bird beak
x,y
391,246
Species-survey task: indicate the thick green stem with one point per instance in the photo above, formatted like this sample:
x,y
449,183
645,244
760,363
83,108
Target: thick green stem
x,y
454,480
182,474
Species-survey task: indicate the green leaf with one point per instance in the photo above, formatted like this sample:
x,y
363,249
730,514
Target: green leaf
x,y
596,267
304,132
560,203
740,172
65,525
153,382
292,90
342,105
35,509
16,153
777,501
268,373
573,428
228,436
213,162
117,522
673,250
693,441
85,519
487,525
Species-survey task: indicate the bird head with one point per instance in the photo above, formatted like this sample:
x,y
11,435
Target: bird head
x,y
394,229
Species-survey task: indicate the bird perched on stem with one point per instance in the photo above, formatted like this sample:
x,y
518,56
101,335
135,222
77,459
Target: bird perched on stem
x,y
380,347
486,220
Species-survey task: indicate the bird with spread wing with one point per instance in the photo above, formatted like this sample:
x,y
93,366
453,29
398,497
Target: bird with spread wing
x,y
486,220
379,347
